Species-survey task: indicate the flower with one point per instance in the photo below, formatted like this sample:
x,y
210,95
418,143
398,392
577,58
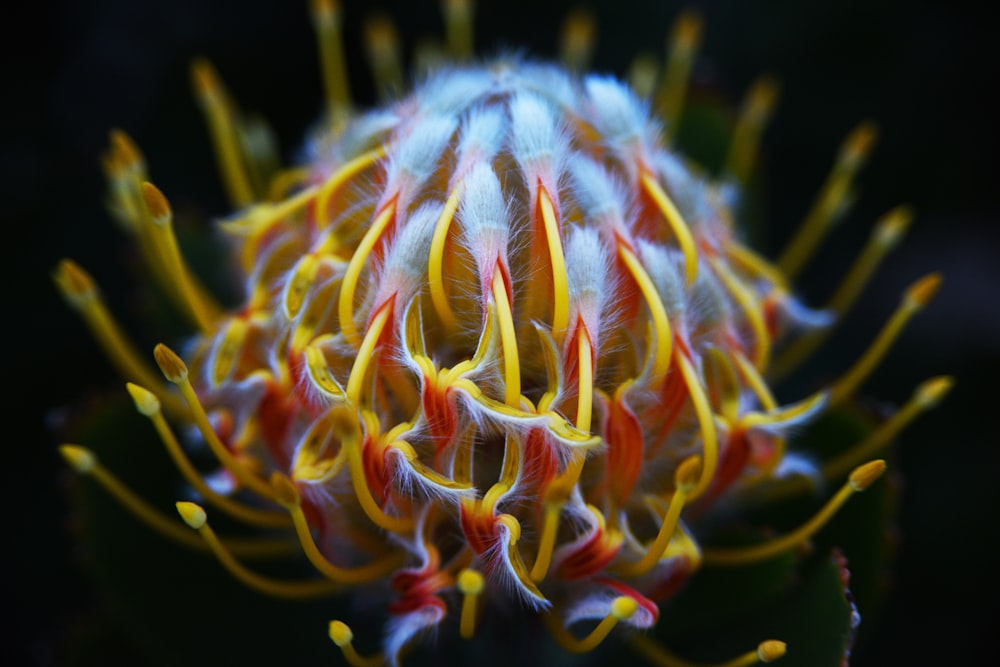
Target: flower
x,y
499,345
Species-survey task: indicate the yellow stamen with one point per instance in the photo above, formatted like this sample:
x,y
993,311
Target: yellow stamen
x,y
508,473
82,294
677,225
663,340
642,75
757,383
345,173
85,462
887,233
327,22
710,442
752,310
766,651
550,526
683,42
577,40
176,371
508,340
345,305
927,396
585,400
342,636
860,479
202,312
194,516
622,609
724,391
365,354
382,46
345,425
470,583
288,496
754,264
148,405
685,480
830,201
286,180
560,286
915,298
757,110
219,113
435,262
459,28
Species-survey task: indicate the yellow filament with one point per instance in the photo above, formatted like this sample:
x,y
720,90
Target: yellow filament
x,y
346,172
753,263
550,525
174,370
263,215
663,340
710,443
470,583
585,401
222,127
643,72
285,181
685,35
829,202
435,262
508,340
766,651
915,298
622,609
677,225
458,27
757,384
383,56
927,396
862,477
577,39
751,308
749,126
684,478
327,21
80,291
156,520
365,352
178,275
351,441
354,575
886,235
508,473
194,516
343,637
148,405
560,285
345,305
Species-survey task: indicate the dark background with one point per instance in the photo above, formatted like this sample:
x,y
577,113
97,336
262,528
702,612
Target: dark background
x,y
923,70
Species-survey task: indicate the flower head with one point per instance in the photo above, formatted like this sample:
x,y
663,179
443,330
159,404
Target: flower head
x,y
498,345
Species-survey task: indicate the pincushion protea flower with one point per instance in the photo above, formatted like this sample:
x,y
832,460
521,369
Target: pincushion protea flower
x,y
499,346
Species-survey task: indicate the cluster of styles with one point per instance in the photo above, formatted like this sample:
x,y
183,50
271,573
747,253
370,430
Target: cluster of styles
x,y
498,342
